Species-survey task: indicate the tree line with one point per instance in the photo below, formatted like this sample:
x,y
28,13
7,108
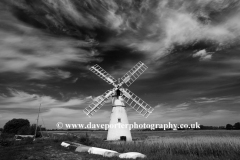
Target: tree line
x,y
236,126
21,127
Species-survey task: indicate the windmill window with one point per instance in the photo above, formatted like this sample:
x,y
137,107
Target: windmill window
x,y
119,119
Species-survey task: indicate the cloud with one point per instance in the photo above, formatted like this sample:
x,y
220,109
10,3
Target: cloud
x,y
167,109
191,114
39,85
44,51
20,104
74,80
62,74
183,105
160,105
203,55
202,110
33,53
154,27
183,28
226,99
89,14
165,25
55,115
24,100
52,39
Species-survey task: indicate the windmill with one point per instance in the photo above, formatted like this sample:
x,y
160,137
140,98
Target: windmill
x,y
120,96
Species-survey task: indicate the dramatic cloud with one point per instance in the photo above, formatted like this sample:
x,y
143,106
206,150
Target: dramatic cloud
x,y
19,104
155,27
29,51
234,99
203,55
24,100
188,23
191,48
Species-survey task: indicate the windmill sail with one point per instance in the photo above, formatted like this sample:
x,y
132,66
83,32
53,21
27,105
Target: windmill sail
x,y
134,73
97,103
136,103
103,74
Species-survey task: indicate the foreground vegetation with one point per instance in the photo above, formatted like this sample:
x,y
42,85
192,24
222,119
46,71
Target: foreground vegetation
x,y
182,148
187,145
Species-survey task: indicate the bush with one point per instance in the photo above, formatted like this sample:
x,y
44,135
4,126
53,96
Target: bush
x,y
25,130
6,136
27,140
7,142
14,126
85,140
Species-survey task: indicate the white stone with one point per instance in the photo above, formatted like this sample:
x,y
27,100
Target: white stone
x,y
65,144
99,151
132,155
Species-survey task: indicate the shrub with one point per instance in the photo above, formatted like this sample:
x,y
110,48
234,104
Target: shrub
x,y
13,126
6,135
25,130
27,140
6,142
85,140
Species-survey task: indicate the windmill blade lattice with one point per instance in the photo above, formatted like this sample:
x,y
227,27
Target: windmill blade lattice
x,y
134,73
97,103
136,103
103,74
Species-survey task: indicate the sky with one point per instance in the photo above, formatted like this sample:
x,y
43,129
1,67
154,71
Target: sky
x,y
191,48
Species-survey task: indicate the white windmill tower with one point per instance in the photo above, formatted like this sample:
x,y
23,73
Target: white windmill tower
x,y
119,96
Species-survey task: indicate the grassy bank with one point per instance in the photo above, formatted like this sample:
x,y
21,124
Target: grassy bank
x,y
201,147
187,145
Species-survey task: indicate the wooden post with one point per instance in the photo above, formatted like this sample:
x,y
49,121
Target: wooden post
x,y
37,122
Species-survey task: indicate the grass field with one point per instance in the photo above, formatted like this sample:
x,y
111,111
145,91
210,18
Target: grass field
x,y
162,145
189,144
145,134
